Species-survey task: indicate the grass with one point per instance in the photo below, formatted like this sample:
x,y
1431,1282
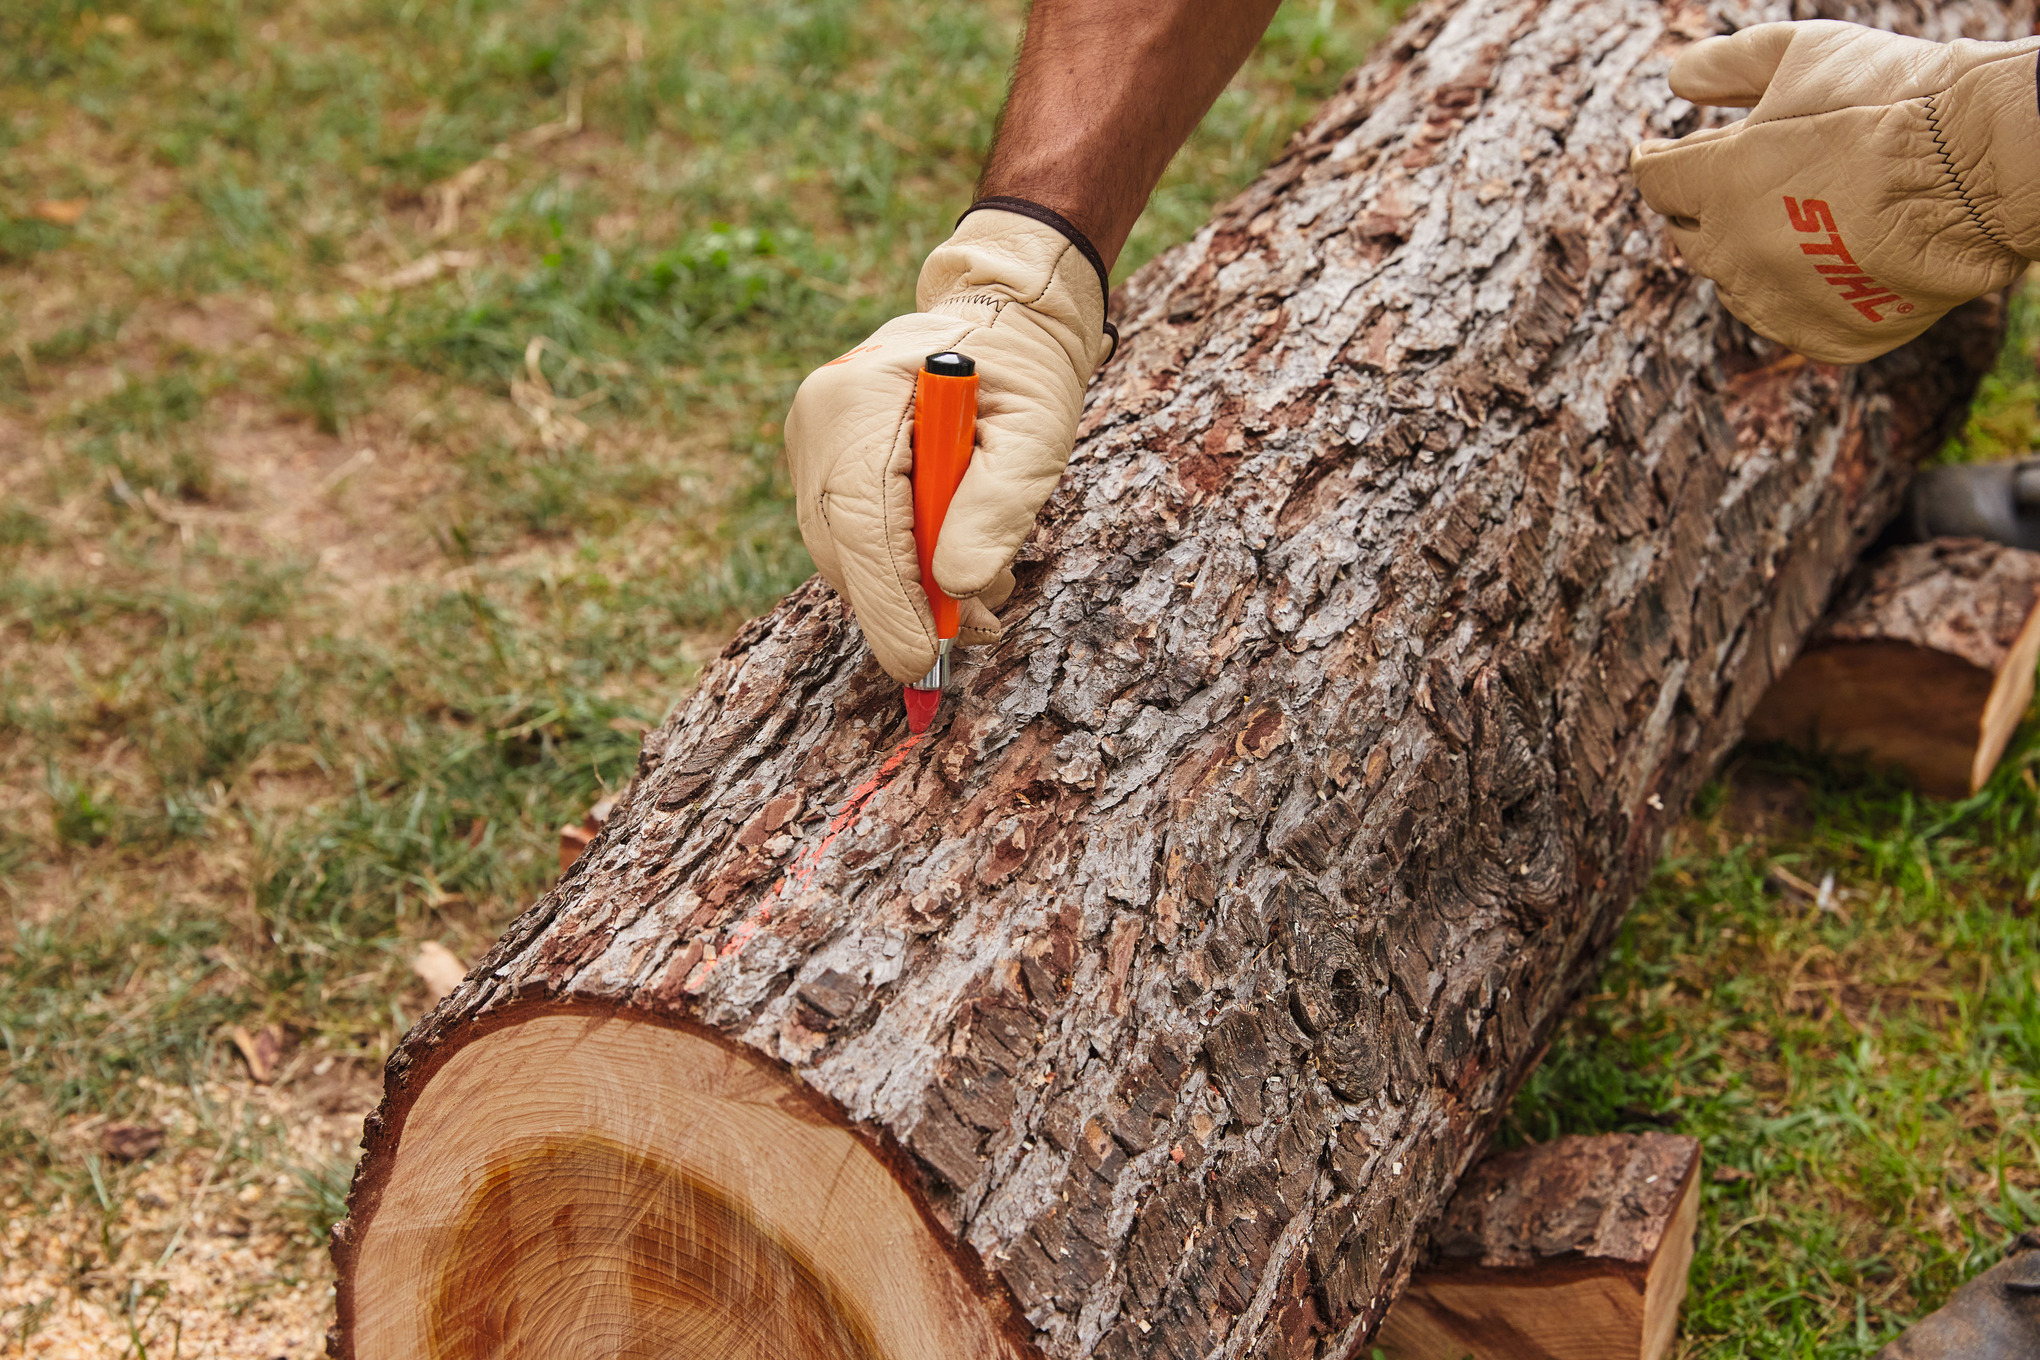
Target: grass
x,y
2005,421
399,388
1863,1072
396,388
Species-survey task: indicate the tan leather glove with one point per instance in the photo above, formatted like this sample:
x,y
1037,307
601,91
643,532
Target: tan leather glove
x,y
1028,304
1878,181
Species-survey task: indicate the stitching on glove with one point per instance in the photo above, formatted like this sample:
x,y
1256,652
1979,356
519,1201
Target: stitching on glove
x,y
1962,190
1049,217
1054,265
1111,331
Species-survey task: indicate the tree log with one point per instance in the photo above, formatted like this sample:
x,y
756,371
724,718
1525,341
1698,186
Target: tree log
x,y
1570,1250
1429,539
1925,660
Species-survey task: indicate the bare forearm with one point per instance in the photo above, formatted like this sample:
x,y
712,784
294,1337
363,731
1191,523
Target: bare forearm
x,y
1104,93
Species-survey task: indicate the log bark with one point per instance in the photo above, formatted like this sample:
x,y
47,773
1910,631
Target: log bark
x,y
1570,1250
1429,539
1924,661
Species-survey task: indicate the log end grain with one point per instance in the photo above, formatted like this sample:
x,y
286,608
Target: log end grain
x,y
591,1186
1925,662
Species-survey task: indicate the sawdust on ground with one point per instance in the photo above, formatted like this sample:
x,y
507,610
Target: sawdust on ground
x,y
204,1251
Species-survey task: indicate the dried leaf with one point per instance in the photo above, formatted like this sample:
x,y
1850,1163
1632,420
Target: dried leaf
x,y
439,968
64,212
129,1142
578,836
574,838
260,1050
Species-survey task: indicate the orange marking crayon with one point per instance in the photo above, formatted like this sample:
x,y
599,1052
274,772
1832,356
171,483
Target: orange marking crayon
x,y
945,427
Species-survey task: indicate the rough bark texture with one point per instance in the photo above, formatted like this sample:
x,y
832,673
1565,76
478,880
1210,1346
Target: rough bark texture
x,y
1924,660
1429,539
1577,1200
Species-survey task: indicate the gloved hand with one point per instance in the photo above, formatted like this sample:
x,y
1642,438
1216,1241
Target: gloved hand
x,y
1028,304
1878,182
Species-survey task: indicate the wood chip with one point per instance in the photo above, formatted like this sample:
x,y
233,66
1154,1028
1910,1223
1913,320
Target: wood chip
x,y
428,267
439,968
1792,884
259,1050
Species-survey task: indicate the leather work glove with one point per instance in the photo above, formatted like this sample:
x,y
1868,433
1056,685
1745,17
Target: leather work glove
x,y
1027,302
1878,181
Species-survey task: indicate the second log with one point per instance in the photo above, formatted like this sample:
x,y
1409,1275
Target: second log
x,y
1924,661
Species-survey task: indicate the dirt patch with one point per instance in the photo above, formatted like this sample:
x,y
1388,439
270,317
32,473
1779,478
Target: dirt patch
x,y
215,324
1763,804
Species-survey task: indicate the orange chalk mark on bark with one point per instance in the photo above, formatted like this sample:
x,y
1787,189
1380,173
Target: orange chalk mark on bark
x,y
802,869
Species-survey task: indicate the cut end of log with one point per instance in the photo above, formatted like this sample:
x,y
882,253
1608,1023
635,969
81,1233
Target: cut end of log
x,y
660,1252
1924,662
637,1189
1572,1250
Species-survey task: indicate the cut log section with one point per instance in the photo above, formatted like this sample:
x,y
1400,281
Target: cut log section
x,y
636,1184
1571,1250
1925,661
1426,544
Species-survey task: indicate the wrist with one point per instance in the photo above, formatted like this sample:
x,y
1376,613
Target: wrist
x,y
1034,256
1987,133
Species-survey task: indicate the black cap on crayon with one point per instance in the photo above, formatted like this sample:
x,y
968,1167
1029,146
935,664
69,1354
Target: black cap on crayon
x,y
950,364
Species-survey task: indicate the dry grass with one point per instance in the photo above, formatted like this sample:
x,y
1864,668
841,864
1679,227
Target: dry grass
x,y
388,430
388,402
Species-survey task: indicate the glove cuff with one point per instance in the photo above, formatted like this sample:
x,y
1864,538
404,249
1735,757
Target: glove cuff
x,y
1986,130
1012,250
1049,217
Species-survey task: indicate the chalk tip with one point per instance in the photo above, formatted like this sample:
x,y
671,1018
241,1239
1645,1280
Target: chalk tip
x,y
921,706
